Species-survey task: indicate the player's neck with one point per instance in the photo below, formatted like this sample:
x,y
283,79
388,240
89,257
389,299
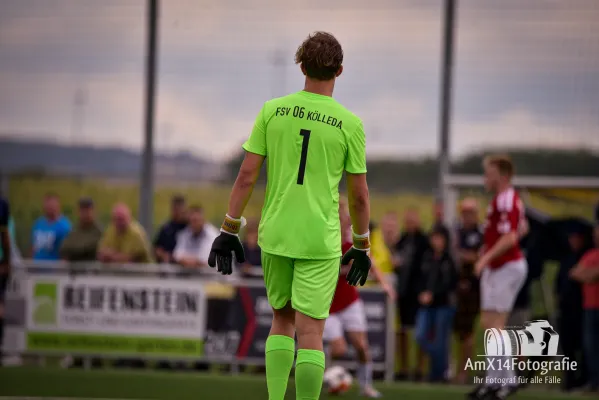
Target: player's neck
x,y
503,187
324,88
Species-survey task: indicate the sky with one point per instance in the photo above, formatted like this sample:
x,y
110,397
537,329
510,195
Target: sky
x,y
526,73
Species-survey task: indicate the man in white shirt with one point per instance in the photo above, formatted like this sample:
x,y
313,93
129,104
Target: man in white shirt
x,y
194,242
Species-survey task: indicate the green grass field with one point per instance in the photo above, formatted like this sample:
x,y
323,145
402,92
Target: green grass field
x,y
106,384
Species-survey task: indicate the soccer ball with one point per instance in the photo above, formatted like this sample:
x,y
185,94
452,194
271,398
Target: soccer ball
x,y
337,380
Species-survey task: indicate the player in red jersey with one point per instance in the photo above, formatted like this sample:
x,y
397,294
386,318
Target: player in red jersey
x,y
347,314
502,267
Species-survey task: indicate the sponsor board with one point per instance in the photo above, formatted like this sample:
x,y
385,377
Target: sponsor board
x,y
250,318
147,317
119,315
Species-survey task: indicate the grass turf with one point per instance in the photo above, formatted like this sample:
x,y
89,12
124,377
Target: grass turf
x,y
107,384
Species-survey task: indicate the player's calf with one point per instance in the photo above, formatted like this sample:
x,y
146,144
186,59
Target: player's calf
x,y
310,363
309,332
359,341
337,348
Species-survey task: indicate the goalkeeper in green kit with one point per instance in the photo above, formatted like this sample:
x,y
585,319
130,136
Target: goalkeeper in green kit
x,y
308,140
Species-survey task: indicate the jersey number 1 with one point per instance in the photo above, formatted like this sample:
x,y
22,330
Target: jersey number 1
x,y
302,166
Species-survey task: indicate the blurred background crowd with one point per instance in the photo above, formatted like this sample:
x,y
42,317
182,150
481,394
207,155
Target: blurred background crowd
x,y
400,242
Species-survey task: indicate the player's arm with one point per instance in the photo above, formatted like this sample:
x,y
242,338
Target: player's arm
x,y
359,207
228,242
523,228
506,242
359,203
244,184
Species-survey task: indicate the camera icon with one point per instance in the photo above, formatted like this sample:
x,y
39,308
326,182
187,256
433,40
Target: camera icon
x,y
535,338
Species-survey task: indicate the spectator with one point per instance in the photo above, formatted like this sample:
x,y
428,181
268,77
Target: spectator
x,y
49,230
587,272
379,252
253,262
194,242
82,243
390,235
192,251
407,261
124,241
439,220
469,241
436,296
166,240
570,312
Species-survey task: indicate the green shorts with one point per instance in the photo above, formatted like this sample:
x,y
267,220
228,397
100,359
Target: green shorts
x,y
309,284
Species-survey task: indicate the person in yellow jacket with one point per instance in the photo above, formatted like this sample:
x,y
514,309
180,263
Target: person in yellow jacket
x,y
380,254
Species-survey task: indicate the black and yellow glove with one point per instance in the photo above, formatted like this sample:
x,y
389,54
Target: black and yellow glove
x,y
227,244
359,254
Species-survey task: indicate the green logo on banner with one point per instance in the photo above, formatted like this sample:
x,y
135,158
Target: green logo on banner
x,y
45,297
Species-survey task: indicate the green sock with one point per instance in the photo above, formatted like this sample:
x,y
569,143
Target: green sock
x,y
280,352
309,370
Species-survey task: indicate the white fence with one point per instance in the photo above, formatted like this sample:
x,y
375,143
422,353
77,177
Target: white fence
x,y
156,312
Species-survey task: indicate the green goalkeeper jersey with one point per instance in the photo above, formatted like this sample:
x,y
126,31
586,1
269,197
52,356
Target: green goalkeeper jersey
x,y
308,140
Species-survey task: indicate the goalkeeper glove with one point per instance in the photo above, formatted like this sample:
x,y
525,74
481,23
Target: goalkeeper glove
x,y
359,253
227,243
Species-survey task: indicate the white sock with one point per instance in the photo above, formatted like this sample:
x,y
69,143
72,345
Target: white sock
x,y
365,375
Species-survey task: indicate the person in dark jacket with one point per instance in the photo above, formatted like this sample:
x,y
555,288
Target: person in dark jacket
x,y
434,319
166,239
570,312
439,219
469,240
407,259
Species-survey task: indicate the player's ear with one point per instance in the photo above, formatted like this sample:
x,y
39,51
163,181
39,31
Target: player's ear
x,y
339,72
303,69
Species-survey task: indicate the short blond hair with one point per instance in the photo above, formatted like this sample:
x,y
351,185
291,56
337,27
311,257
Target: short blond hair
x,y
502,162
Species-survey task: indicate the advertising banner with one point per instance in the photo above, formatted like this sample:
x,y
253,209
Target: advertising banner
x,y
250,319
119,315
146,317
